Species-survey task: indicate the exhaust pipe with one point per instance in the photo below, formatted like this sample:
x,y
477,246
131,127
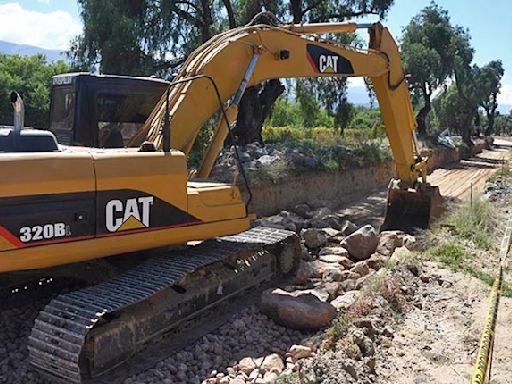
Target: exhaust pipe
x,y
19,111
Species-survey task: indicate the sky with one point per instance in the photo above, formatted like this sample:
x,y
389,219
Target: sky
x,y
51,24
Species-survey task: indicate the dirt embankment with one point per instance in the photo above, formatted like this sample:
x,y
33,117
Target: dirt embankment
x,y
340,188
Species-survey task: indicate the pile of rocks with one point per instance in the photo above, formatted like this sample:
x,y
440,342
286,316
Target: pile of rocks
x,y
498,189
256,157
337,259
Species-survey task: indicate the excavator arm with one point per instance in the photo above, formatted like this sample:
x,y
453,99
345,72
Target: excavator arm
x,y
249,55
261,52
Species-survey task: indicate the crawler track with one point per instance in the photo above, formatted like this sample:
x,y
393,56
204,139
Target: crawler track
x,y
83,335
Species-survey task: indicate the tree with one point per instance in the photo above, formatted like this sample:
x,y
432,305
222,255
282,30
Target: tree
x,y
131,37
489,84
427,54
30,76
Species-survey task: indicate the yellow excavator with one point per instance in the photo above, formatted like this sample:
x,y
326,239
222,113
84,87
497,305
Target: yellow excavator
x,y
63,208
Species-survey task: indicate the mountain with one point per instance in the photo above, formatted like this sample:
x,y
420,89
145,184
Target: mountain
x,y
28,50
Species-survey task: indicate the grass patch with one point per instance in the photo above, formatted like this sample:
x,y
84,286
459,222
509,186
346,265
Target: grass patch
x,y
476,224
454,256
450,254
337,330
291,378
503,173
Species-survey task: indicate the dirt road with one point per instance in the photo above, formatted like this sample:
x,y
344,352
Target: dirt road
x,y
456,182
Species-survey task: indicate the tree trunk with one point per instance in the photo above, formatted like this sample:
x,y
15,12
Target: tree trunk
x,y
254,108
421,117
296,8
491,114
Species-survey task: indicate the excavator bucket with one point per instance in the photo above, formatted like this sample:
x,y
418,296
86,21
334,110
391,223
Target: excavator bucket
x,y
410,209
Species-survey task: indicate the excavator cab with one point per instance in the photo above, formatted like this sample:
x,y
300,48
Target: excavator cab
x,y
101,111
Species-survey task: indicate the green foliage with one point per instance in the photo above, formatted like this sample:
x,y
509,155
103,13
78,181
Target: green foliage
x,y
291,378
475,223
30,76
285,113
450,253
355,149
337,330
427,51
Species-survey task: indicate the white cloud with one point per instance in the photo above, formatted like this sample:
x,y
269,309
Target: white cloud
x,y
505,96
356,82
44,1
50,30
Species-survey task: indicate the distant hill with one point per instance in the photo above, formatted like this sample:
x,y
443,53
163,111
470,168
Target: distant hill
x,y
28,50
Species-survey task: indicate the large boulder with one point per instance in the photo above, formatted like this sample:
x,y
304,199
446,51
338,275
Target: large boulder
x,y
296,310
362,243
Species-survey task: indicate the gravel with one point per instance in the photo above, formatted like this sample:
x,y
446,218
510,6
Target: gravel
x,y
15,326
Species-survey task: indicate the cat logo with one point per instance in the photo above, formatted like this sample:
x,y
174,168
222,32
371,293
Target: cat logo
x,y
132,214
328,64
324,60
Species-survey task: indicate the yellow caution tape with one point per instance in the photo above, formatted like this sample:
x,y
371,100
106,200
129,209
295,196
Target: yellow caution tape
x,y
484,357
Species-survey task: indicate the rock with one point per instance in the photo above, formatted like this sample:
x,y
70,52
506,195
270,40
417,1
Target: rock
x,y
332,288
340,251
319,267
349,275
367,347
314,238
266,160
318,223
401,253
351,369
244,157
332,275
333,221
335,259
362,243
348,285
298,312
389,241
330,232
319,292
348,228
269,377
304,273
246,365
319,213
345,301
376,261
272,363
302,209
361,268
371,363
299,351
410,243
